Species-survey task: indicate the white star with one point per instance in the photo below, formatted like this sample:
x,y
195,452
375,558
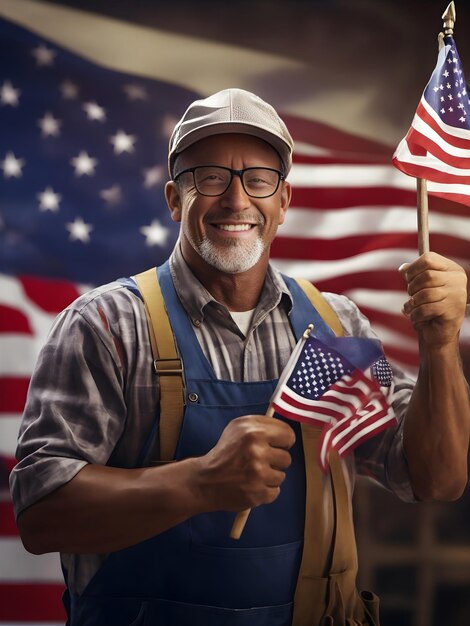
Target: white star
x,y
84,164
122,142
94,111
112,196
462,119
49,125
69,90
450,96
49,200
9,95
446,73
442,98
461,105
12,166
441,87
450,109
448,85
436,89
155,234
43,55
79,230
135,92
153,176
443,111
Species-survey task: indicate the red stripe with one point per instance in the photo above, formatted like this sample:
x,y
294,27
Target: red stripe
x,y
325,136
438,151
457,142
371,279
343,198
31,602
52,296
434,175
13,394
342,160
13,321
8,526
304,248
395,321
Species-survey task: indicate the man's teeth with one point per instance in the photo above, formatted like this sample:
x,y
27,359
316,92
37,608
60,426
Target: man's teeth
x,y
234,227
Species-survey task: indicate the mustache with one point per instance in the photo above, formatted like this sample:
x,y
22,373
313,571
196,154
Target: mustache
x,y
241,216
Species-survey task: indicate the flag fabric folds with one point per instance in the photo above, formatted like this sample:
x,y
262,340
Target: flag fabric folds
x,y
325,385
437,146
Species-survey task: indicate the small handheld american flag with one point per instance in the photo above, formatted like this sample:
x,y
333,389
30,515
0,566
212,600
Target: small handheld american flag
x,y
326,385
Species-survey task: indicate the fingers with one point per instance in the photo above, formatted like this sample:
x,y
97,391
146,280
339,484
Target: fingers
x,y
438,294
247,465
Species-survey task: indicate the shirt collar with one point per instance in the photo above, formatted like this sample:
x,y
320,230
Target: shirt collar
x,y
195,297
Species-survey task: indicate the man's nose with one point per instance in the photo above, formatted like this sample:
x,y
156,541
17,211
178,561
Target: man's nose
x,y
236,197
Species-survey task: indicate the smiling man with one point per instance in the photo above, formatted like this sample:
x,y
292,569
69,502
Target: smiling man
x,y
138,492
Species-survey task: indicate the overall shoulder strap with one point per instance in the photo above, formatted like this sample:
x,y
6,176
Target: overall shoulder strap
x,y
321,305
167,363
313,584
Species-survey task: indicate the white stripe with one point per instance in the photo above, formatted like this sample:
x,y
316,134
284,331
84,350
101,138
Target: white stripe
x,y
365,262
304,175
301,412
388,418
379,300
463,190
421,126
20,353
9,428
17,565
332,224
13,295
393,338
461,133
307,149
404,155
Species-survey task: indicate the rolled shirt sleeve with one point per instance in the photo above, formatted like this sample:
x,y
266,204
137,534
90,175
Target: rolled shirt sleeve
x,y
85,381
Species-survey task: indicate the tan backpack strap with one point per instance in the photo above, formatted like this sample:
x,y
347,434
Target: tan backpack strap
x,y
312,584
166,362
321,305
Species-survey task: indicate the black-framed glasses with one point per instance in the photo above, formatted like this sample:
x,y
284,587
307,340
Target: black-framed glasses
x,y
214,180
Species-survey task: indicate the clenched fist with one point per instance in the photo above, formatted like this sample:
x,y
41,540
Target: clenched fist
x,y
438,296
246,466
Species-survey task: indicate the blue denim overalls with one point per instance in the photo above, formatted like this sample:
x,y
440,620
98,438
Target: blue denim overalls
x,y
194,574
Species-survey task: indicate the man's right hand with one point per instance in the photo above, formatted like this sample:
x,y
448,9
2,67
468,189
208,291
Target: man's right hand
x,y
245,467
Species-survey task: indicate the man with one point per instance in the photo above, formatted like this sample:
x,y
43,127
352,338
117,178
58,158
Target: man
x,y
148,543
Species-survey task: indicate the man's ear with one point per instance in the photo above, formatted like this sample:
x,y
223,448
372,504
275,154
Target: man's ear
x,y
286,195
173,199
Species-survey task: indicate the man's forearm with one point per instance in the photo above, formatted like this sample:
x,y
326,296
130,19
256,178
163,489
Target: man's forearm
x,y
437,426
103,509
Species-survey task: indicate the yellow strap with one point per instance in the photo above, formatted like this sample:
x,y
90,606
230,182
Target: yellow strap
x,y
322,306
166,362
319,559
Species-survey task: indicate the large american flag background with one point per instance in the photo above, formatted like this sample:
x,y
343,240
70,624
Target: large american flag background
x,y
82,169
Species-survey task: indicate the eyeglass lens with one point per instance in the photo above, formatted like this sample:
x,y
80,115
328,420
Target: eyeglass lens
x,y
258,182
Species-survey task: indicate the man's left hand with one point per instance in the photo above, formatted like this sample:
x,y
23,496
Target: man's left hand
x,y
438,296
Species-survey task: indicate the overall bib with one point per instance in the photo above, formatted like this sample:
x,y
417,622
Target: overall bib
x,y
194,574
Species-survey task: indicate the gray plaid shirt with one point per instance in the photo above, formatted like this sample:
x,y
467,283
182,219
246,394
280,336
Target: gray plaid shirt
x,y
93,395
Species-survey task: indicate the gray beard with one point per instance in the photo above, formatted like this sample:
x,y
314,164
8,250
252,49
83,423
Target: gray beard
x,y
235,258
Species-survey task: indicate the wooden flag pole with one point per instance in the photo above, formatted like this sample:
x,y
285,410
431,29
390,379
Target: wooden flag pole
x,y
242,516
423,225
449,17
